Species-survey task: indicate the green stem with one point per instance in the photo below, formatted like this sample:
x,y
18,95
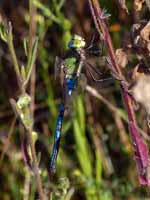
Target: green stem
x,y
35,166
12,52
32,32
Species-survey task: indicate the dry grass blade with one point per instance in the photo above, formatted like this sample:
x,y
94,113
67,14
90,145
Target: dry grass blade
x,y
6,145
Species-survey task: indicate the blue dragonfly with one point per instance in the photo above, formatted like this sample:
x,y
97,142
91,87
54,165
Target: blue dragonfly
x,y
69,67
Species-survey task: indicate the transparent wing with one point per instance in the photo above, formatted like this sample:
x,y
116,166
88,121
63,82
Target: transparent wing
x,y
93,68
59,69
82,81
94,72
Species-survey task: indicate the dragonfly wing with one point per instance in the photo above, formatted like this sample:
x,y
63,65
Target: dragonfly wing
x,y
82,81
94,71
93,68
58,65
59,69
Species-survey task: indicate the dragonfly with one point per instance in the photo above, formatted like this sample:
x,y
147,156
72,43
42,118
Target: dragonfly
x,y
69,68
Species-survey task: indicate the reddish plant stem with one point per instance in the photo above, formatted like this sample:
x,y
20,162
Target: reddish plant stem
x,y
140,148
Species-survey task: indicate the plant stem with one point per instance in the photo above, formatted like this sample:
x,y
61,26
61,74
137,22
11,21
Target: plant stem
x,y
35,166
32,33
140,148
12,52
27,185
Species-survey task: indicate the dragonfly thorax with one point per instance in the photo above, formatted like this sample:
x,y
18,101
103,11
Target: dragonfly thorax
x,y
71,66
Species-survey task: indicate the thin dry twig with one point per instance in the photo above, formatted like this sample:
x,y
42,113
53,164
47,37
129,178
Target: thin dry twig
x,y
96,94
6,145
27,186
113,108
35,166
103,152
32,34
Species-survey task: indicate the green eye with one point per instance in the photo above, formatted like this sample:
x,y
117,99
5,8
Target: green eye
x,y
78,37
77,42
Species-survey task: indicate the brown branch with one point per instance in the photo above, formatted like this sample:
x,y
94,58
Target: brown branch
x,y
35,166
32,33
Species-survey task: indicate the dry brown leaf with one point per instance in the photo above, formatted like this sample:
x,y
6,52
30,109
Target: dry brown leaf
x,y
138,4
148,3
137,73
148,46
141,92
122,4
145,32
121,58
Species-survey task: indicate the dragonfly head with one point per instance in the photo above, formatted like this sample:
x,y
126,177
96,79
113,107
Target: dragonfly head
x,y
77,42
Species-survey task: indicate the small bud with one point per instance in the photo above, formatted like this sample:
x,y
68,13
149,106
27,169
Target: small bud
x,y
121,58
23,101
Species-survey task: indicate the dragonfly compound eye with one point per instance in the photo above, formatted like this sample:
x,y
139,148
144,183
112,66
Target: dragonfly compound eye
x,y
77,42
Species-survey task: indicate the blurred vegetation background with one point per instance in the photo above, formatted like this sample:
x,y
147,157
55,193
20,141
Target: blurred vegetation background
x,y
95,160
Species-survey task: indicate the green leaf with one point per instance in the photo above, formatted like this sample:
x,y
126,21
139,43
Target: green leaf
x,y
46,11
3,32
23,72
31,61
26,46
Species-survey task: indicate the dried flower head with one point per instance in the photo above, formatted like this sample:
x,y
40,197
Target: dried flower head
x,y
138,4
145,32
141,38
138,71
141,92
122,4
145,35
121,58
148,3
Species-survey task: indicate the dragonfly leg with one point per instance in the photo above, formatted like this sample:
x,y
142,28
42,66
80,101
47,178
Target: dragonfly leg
x,y
99,80
125,85
93,40
90,66
93,47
